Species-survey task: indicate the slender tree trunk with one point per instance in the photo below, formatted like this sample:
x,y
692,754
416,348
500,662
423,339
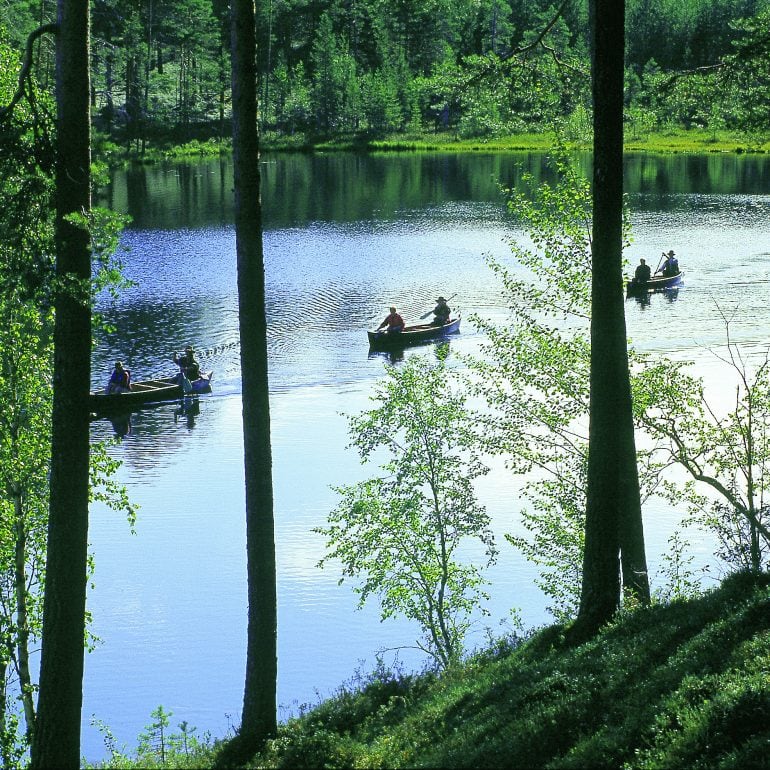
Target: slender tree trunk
x,y
147,70
6,753
259,702
613,509
222,89
109,110
57,730
22,617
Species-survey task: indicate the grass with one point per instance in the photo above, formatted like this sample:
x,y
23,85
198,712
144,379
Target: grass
x,y
670,141
696,141
684,685
662,142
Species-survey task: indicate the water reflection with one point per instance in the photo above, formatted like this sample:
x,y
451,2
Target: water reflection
x,y
152,433
671,294
394,353
645,300
188,409
298,189
121,424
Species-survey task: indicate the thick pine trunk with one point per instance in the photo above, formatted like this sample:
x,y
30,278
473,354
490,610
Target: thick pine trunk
x,y
613,509
57,729
259,702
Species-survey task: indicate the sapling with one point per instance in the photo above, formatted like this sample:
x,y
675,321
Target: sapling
x,y
400,532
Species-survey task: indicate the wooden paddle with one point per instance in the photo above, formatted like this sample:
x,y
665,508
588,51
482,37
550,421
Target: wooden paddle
x,y
425,315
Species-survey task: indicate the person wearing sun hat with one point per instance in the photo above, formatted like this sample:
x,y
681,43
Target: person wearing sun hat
x,y
671,265
441,312
188,364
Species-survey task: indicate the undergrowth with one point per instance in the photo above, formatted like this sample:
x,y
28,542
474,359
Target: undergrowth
x,y
682,685
678,685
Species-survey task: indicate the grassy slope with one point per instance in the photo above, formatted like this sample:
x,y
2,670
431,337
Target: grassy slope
x,y
685,685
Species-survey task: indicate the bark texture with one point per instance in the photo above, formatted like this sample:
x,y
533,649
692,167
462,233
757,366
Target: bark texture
x,y
613,508
56,741
258,721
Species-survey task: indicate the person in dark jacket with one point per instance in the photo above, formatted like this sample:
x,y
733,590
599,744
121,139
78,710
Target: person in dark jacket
x,y
671,265
643,272
441,312
188,364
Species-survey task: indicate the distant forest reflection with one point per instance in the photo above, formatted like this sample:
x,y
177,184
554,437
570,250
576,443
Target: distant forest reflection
x,y
346,187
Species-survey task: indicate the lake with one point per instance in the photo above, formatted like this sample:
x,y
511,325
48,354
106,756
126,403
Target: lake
x,y
345,237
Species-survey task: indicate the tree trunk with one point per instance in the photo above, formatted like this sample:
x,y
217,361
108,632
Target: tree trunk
x,y
6,747
259,702
57,729
613,508
22,617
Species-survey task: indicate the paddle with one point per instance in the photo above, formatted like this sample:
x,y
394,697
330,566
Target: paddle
x,y
663,254
425,315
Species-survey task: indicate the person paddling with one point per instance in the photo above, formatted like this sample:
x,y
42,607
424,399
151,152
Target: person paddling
x,y
671,265
393,321
188,364
441,312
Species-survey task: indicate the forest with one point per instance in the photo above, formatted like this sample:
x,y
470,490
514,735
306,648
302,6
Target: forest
x,y
160,69
565,397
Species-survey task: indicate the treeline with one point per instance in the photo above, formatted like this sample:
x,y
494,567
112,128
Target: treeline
x,y
477,68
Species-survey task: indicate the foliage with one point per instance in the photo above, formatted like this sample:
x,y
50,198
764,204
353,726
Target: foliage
x,y
681,580
727,454
472,68
25,376
26,373
402,532
555,536
159,746
533,374
678,686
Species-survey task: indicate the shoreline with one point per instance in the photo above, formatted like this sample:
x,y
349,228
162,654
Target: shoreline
x,y
691,142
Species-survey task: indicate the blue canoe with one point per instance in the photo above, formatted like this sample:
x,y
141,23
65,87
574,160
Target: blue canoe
x,y
636,288
382,340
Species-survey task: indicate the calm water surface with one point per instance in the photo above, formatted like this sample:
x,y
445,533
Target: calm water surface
x,y
345,236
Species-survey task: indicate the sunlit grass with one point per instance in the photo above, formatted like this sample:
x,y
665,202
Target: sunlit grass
x,y
677,686
698,141
694,140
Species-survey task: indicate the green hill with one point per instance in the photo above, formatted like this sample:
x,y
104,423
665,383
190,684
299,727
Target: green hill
x,y
684,685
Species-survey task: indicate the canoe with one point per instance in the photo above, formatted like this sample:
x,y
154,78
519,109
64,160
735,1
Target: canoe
x,y
146,392
412,335
635,288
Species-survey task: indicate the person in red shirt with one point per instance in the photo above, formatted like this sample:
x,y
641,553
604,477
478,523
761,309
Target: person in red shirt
x,y
393,321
